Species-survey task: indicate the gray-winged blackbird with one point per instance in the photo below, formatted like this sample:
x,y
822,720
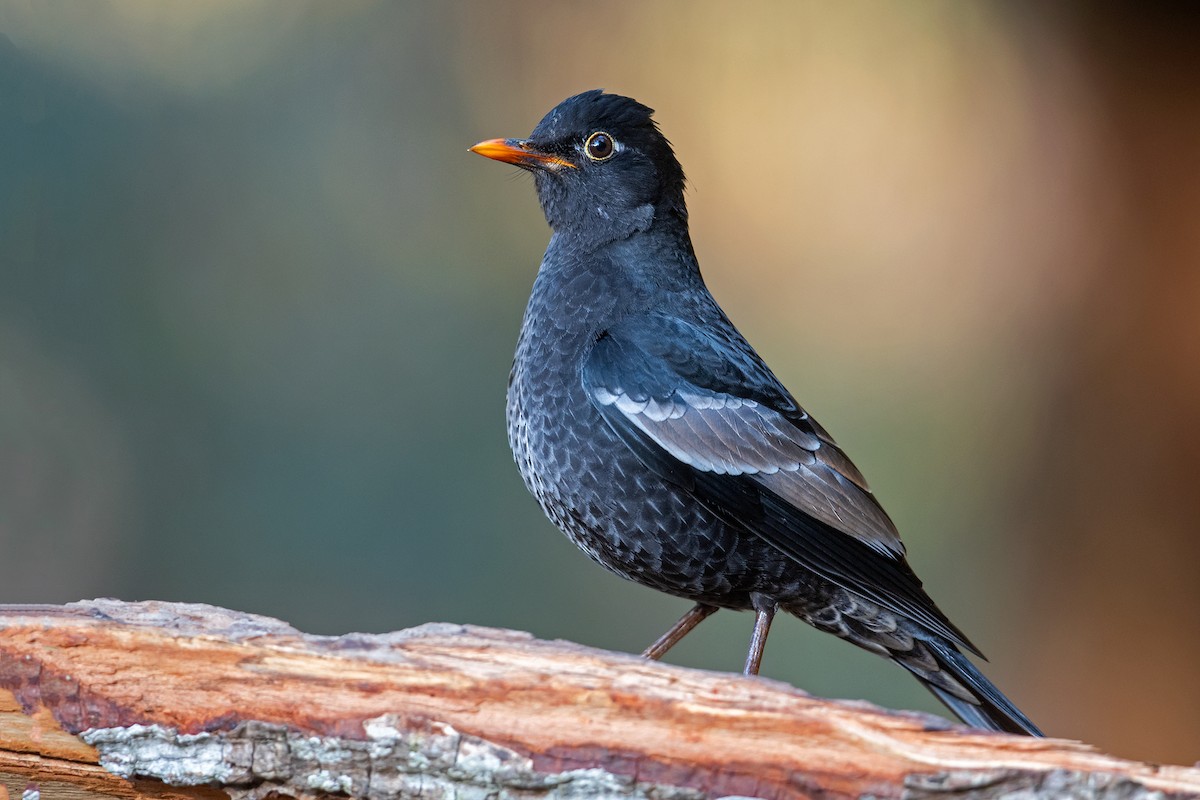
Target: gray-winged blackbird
x,y
656,438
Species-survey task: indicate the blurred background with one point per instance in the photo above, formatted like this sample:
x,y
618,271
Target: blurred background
x,y
258,306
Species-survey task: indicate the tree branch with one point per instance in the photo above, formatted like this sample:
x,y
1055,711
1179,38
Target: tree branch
x,y
105,699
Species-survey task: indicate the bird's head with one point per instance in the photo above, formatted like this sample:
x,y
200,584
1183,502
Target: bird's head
x,y
602,168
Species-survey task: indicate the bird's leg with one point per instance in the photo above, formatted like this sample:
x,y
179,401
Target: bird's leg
x,y
694,616
764,612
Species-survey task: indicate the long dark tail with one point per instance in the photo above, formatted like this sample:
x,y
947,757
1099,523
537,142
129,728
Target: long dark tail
x,y
933,658
982,705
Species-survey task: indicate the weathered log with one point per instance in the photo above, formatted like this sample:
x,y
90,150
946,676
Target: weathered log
x,y
105,699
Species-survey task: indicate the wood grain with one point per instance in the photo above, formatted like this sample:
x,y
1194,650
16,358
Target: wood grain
x,y
222,703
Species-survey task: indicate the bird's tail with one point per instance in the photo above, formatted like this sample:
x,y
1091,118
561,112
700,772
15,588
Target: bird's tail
x,y
963,688
933,658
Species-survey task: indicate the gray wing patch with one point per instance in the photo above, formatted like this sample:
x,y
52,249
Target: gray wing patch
x,y
729,435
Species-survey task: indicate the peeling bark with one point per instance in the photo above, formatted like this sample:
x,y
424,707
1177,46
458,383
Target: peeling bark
x,y
105,699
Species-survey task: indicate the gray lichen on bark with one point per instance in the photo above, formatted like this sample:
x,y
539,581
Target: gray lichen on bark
x,y
1008,784
255,759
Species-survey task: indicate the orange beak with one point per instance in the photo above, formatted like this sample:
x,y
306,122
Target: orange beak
x,y
519,152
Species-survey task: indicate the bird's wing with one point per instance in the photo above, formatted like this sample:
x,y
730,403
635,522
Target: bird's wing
x,y
700,408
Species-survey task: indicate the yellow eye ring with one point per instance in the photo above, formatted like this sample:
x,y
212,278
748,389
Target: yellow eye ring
x,y
600,146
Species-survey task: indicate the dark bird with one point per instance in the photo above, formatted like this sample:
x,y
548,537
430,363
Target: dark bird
x,y
655,437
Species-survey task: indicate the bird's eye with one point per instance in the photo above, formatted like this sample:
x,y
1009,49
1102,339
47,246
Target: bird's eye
x,y
600,146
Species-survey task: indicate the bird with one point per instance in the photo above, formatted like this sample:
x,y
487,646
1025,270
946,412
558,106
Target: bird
x,y
658,440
